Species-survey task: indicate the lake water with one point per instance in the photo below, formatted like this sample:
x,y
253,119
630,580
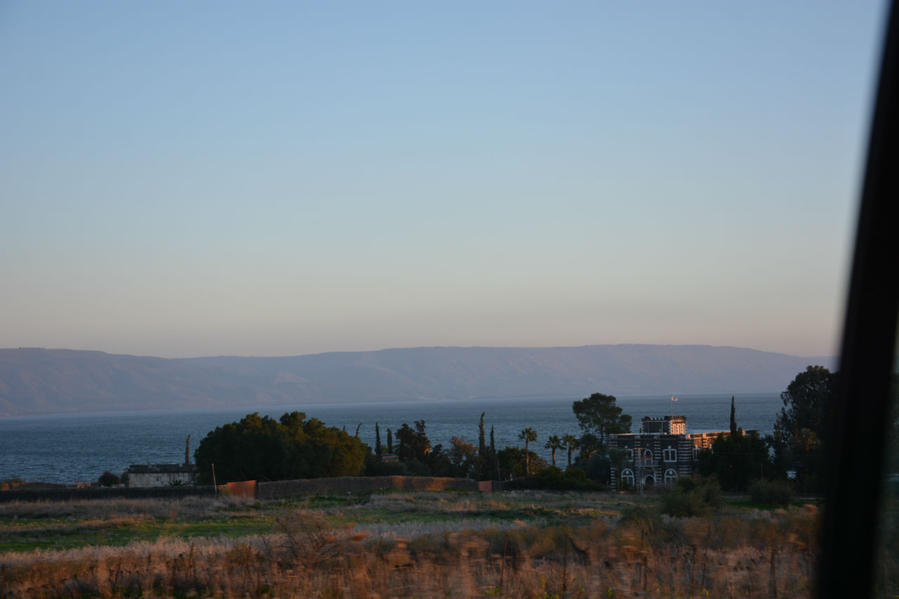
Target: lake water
x,y
75,448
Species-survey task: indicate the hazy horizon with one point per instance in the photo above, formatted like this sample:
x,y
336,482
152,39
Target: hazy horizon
x,y
432,346
211,178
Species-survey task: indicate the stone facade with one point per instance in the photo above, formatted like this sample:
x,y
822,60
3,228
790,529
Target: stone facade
x,y
659,454
651,459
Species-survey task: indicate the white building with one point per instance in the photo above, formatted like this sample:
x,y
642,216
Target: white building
x,y
161,475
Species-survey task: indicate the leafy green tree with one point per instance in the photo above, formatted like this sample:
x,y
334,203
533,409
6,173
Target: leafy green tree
x,y
554,443
588,445
514,462
600,416
463,457
437,462
799,427
528,435
413,444
735,460
262,448
571,443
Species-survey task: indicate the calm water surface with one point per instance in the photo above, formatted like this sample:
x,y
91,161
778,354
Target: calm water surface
x,y
73,448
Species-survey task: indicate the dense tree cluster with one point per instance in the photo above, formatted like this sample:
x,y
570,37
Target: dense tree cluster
x,y
736,459
598,415
799,430
414,453
262,448
794,451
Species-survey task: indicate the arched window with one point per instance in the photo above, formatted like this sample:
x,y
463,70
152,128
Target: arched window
x,y
669,455
647,455
627,478
670,477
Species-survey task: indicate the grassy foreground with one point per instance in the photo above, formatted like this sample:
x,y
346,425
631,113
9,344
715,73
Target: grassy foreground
x,y
512,544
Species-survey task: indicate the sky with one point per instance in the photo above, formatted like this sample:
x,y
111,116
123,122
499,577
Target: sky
x,y
278,178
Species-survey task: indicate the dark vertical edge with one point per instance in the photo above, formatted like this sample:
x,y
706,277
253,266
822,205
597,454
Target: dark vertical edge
x,y
859,417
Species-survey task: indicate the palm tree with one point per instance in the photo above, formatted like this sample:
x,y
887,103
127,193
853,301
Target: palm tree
x,y
571,444
554,443
527,435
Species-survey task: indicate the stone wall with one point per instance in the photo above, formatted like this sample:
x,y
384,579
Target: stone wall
x,y
263,490
359,484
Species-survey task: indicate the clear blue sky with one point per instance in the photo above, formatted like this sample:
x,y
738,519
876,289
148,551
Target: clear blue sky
x,y
197,178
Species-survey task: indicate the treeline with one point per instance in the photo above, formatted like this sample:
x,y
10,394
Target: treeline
x,y
262,448
794,453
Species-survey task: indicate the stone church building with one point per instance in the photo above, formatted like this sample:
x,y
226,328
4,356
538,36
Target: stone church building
x,y
659,454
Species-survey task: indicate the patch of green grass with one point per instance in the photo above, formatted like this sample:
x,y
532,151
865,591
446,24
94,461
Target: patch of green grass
x,y
73,524
67,535
330,501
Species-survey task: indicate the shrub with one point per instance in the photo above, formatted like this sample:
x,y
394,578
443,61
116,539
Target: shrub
x,y
654,529
552,478
771,492
692,497
572,479
598,468
375,467
512,462
108,479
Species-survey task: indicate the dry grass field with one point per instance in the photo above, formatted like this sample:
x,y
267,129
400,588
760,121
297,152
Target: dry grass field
x,y
511,544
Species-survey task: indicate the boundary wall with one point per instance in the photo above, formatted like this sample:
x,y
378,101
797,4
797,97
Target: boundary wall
x,y
250,489
359,484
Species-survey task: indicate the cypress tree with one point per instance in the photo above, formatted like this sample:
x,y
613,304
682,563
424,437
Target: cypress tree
x,y
378,449
733,418
482,446
389,441
496,473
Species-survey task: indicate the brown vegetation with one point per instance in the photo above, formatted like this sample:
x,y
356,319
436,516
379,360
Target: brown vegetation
x,y
318,553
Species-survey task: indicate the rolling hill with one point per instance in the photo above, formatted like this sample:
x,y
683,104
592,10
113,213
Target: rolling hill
x,y
42,381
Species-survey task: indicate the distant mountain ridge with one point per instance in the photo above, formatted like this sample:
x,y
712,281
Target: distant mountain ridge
x,y
41,381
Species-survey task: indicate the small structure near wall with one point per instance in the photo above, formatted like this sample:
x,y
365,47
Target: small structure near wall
x,y
706,440
161,475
